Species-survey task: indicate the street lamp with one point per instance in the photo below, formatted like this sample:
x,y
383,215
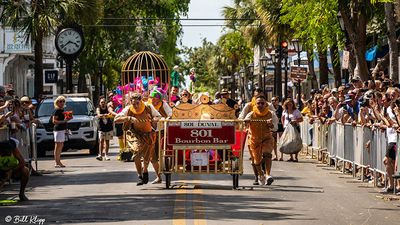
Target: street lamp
x,y
236,82
347,44
242,73
263,63
298,47
221,83
274,61
250,67
100,64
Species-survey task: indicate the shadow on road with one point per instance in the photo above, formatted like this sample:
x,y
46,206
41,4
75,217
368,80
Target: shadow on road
x,y
147,206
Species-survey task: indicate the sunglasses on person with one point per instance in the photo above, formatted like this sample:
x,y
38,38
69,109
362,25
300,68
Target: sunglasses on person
x,y
260,103
62,101
185,95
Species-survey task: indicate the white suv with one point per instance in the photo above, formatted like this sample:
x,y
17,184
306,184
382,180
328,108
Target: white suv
x,y
84,125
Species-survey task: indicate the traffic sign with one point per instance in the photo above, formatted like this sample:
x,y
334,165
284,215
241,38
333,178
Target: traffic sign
x,y
298,73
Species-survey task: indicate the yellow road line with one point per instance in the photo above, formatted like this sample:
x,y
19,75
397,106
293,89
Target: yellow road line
x,y
179,217
198,208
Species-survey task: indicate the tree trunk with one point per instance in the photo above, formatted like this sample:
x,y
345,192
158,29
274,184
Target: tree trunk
x,y
393,50
323,68
335,57
38,65
311,70
355,21
82,83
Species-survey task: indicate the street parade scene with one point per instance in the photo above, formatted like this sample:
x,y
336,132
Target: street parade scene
x,y
199,112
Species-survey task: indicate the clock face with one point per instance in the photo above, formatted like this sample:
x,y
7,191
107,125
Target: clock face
x,y
69,41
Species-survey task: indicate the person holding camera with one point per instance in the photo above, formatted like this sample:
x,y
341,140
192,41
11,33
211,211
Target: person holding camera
x,y
105,129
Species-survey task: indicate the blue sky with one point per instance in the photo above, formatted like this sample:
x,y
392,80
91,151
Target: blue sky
x,y
192,36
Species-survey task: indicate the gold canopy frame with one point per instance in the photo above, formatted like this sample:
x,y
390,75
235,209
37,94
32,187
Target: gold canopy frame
x,y
146,64
203,111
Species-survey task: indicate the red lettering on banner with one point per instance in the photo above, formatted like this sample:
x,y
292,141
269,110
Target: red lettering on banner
x,y
184,135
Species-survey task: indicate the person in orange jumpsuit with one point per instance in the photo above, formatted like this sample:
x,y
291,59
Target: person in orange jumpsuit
x,y
261,123
140,135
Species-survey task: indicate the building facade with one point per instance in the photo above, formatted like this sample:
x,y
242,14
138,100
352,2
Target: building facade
x,y
17,62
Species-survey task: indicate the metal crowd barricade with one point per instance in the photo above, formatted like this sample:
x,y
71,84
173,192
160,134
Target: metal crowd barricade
x,y
332,144
34,145
381,145
339,141
367,153
361,146
348,143
304,133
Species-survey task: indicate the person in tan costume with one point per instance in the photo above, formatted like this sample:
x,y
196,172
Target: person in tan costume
x,y
156,100
138,118
261,123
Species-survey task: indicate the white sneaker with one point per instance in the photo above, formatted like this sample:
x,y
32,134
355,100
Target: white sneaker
x,y
106,158
158,180
261,180
269,180
99,158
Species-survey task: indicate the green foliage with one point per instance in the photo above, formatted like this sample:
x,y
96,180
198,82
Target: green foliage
x,y
125,32
198,58
313,22
213,61
257,20
235,48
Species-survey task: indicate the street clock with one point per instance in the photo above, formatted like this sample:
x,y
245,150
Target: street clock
x,y
69,42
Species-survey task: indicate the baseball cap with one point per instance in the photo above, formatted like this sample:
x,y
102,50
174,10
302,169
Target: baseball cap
x,y
347,98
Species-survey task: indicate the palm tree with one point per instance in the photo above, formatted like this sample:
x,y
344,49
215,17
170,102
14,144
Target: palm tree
x,y
40,18
392,40
258,21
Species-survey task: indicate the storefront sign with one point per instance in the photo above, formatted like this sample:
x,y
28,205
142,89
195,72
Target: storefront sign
x,y
201,133
50,76
16,42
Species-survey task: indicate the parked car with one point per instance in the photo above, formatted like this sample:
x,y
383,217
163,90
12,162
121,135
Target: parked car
x,y
83,126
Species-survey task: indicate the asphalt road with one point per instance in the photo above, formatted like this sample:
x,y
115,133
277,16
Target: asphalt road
x,y
88,191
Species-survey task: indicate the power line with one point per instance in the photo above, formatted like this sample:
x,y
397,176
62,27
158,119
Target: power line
x,y
160,25
181,19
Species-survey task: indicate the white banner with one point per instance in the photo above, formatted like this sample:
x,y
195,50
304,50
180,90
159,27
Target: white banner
x,y
16,42
199,158
346,58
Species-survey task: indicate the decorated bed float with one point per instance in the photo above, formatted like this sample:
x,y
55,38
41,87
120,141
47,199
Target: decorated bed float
x,y
199,138
202,139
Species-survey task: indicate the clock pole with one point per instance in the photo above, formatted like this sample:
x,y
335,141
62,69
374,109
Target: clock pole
x,y
68,71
